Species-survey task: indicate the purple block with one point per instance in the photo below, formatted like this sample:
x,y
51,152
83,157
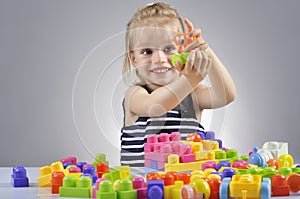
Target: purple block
x,y
155,189
19,178
210,135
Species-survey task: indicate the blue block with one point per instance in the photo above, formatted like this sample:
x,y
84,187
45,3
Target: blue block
x,y
19,178
155,189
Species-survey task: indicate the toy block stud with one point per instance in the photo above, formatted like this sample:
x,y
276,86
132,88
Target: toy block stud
x,y
57,181
280,186
19,178
106,190
164,137
175,136
293,181
155,189
125,190
168,179
185,177
152,176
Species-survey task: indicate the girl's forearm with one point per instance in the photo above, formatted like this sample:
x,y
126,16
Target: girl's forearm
x,y
223,86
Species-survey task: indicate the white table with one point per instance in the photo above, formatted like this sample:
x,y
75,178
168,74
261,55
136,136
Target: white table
x,y
7,191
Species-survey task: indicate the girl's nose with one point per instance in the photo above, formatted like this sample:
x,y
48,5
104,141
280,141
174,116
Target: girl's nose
x,y
159,57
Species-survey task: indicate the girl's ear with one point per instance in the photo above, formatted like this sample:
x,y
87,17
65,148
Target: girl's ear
x,y
132,59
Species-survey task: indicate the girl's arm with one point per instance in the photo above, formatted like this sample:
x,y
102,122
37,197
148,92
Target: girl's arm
x,y
222,90
138,101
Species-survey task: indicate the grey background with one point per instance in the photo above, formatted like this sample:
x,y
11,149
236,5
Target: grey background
x,y
61,87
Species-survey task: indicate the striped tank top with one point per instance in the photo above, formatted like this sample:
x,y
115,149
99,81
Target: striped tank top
x,y
181,119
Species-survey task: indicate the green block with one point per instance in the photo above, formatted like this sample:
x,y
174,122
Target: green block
x,y
82,190
220,154
100,157
106,190
285,171
232,153
181,57
125,190
115,175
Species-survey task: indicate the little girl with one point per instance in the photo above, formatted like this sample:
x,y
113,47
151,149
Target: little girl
x,y
167,98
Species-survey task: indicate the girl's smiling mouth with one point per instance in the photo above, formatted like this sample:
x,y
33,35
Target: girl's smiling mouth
x,y
160,70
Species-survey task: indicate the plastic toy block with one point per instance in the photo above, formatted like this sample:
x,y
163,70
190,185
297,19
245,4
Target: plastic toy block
x,y
100,158
74,170
45,177
179,57
187,158
46,173
72,160
18,177
67,164
209,145
286,160
101,169
152,176
209,164
202,187
280,186
197,147
82,190
293,181
155,189
162,157
214,185
80,165
231,153
125,190
220,154
184,177
168,179
91,171
106,190
124,171
175,136
96,188
164,137
113,175
220,143
205,155
57,181
138,184
209,135
274,149
175,192
222,164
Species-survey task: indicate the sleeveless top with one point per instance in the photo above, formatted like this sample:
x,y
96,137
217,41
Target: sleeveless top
x,y
180,119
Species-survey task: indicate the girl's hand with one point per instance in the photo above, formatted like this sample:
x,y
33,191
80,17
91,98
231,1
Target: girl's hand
x,y
198,63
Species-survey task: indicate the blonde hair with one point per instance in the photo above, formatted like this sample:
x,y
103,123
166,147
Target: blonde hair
x,y
153,15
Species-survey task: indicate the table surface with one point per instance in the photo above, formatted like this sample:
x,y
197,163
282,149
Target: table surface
x,y
7,190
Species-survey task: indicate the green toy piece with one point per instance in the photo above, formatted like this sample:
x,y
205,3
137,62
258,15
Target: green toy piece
x,y
181,57
125,190
106,190
69,188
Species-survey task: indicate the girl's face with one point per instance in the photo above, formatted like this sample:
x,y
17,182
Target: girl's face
x,y
152,56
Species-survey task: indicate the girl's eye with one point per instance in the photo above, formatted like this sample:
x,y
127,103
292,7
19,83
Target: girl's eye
x,y
169,49
146,51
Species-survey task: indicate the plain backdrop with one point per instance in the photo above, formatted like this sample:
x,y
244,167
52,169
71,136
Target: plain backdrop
x,y
61,85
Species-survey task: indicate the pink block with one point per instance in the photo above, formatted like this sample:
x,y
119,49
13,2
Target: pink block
x,y
141,193
149,147
165,148
161,165
138,182
187,158
175,136
152,138
185,149
161,157
73,160
176,146
157,147
164,137
147,163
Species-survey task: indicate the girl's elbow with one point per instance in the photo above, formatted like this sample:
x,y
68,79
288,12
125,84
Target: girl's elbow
x,y
230,97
